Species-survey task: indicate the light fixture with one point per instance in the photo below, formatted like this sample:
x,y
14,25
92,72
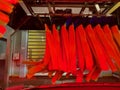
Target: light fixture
x,y
97,8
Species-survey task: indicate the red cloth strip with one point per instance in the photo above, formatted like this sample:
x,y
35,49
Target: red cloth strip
x,y
80,57
96,45
107,46
65,48
116,34
85,48
5,6
72,49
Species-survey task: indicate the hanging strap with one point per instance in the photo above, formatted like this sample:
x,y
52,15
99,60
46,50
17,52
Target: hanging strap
x,y
12,1
57,46
80,57
65,48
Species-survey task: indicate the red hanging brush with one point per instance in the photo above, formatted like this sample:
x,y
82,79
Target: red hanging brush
x,y
116,34
108,50
72,48
13,1
2,30
96,45
85,48
6,6
4,19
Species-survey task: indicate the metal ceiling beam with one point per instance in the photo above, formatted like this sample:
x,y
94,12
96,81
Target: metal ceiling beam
x,y
29,8
45,9
22,4
116,6
72,15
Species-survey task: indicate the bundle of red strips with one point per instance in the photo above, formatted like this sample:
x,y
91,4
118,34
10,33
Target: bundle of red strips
x,y
75,51
6,8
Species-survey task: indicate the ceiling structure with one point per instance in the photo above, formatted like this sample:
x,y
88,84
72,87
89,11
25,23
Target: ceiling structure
x,y
47,7
32,14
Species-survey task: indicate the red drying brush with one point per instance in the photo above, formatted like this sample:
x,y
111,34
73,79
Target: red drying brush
x,y
57,49
109,35
6,6
2,30
72,48
4,19
107,49
116,34
96,47
57,46
65,48
85,48
80,57
52,48
93,74
12,1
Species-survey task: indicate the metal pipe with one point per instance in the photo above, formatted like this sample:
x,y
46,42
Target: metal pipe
x,y
116,6
29,8
67,15
7,62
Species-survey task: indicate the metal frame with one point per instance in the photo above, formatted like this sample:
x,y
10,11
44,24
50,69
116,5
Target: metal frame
x,y
29,11
51,6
